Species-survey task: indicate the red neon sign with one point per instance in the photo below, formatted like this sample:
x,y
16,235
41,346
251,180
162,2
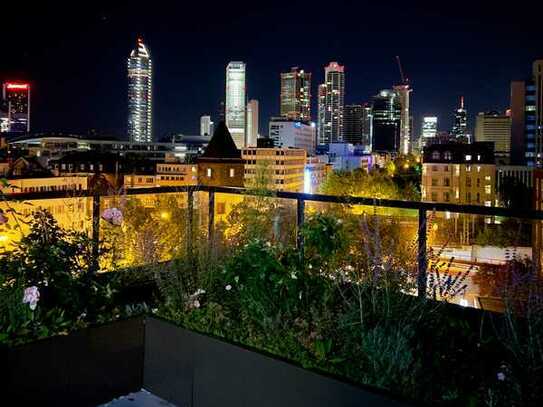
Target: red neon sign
x,y
17,86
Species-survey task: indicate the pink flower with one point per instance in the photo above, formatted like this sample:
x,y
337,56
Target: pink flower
x,y
31,297
113,216
3,218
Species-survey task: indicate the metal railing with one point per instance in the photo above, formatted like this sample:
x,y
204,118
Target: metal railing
x,y
301,198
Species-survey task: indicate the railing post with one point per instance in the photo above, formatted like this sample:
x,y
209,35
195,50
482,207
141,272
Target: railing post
x,y
422,258
211,219
300,218
95,232
190,216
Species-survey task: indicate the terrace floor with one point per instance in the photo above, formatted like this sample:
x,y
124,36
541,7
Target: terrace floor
x,y
142,398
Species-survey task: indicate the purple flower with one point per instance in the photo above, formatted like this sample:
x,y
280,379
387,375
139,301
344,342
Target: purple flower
x,y
501,376
113,216
31,297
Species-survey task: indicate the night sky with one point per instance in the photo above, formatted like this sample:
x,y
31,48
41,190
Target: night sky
x,y
75,55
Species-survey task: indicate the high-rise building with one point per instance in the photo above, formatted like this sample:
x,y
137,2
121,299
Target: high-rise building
x,y
460,125
404,92
429,130
496,128
16,97
293,133
252,122
367,124
353,117
386,111
206,126
334,95
527,119
235,102
296,94
140,97
321,110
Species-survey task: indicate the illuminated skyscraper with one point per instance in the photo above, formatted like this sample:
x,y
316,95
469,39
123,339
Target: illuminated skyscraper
x,y
140,100
236,102
331,125
252,122
16,96
321,109
386,110
429,130
206,126
296,94
459,129
403,92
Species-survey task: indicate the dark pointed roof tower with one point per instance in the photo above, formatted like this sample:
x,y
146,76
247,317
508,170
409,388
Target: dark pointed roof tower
x,y
221,147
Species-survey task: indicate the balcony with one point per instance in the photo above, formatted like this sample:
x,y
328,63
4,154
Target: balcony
x,y
319,296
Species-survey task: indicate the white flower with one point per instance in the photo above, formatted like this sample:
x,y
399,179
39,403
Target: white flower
x,y
236,279
293,276
196,304
501,376
268,243
349,267
339,221
310,266
228,287
31,297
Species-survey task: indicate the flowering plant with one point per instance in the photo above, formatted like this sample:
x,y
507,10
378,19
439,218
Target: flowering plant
x,y
113,215
31,297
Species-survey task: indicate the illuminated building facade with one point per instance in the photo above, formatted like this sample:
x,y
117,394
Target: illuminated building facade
x,y
284,167
527,119
459,173
321,109
331,121
460,126
16,99
296,94
315,172
140,100
495,127
252,122
429,130
166,175
386,111
235,103
404,92
206,126
293,133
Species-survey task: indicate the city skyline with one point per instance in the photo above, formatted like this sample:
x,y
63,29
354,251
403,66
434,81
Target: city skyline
x,y
96,49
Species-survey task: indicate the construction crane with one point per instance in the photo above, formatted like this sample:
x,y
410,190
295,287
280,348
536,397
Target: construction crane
x,y
405,81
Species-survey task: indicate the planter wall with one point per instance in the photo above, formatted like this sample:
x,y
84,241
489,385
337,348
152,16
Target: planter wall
x,y
95,365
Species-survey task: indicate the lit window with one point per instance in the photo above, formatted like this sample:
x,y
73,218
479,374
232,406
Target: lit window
x,y
488,189
448,155
468,157
488,203
435,155
487,178
232,173
209,172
